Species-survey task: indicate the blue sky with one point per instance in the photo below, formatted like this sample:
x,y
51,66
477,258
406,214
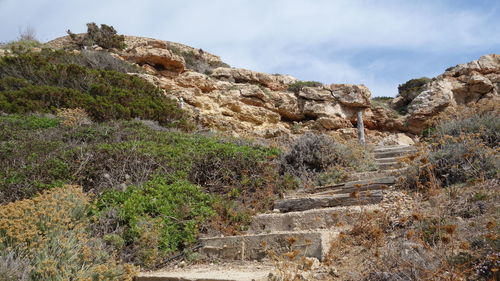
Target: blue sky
x,y
377,43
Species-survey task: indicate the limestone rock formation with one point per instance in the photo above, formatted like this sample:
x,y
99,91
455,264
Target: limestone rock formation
x,y
462,84
243,102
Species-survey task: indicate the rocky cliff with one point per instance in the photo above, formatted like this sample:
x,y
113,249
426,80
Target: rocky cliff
x,y
472,82
248,103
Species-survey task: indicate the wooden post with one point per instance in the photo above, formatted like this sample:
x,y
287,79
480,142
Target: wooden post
x,y
361,128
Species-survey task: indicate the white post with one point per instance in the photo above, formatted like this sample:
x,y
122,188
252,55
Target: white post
x,y
361,128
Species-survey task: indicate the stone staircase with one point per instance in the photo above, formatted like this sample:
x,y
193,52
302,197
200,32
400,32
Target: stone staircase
x,y
307,221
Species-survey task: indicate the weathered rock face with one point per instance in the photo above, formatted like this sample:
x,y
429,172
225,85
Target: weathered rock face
x,y
238,75
244,102
462,84
161,59
352,95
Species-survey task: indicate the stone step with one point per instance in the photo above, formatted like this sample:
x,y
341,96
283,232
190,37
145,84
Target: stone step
x,y
337,218
391,148
201,272
389,165
351,186
313,244
387,160
394,153
375,174
318,202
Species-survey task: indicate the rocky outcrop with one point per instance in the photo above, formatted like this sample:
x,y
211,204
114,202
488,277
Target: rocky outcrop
x,y
462,84
274,82
241,101
352,95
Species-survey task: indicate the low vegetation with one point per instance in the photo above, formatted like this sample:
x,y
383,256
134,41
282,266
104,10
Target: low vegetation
x,y
463,147
318,159
170,185
25,42
49,237
50,80
104,36
149,189
298,86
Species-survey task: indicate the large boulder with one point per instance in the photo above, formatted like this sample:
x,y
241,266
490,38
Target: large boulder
x,y
463,84
352,95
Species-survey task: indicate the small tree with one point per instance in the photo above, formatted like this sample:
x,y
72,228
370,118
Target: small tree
x,y
105,37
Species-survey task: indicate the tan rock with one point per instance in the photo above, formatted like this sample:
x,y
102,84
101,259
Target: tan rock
x,y
316,93
334,123
239,75
192,79
287,106
466,83
351,95
397,139
163,60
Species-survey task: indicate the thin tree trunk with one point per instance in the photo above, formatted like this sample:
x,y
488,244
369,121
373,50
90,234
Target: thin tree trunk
x,y
361,128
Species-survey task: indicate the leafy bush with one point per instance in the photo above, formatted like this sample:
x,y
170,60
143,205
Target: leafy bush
x,y
312,155
37,153
104,36
26,42
52,232
22,46
39,83
176,210
298,86
128,165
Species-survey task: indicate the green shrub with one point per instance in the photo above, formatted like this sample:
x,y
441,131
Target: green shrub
x,y
298,86
39,83
382,99
22,46
129,164
99,60
176,210
104,36
38,153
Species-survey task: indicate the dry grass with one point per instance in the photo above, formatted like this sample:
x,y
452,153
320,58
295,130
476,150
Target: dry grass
x,y
51,233
448,235
73,116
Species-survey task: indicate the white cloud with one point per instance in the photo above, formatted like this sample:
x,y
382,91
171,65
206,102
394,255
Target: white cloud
x,y
303,38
